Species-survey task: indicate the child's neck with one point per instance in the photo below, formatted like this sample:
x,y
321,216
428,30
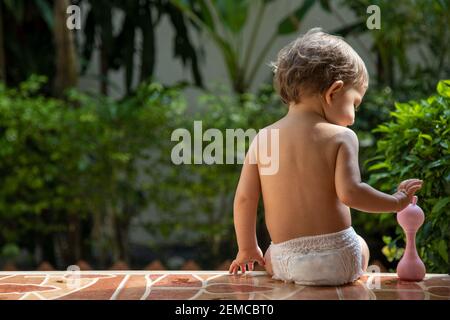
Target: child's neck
x,y
308,105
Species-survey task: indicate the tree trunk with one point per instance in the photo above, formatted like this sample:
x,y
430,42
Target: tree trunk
x,y
114,248
38,251
74,237
60,250
106,37
103,70
380,69
2,48
66,59
98,238
121,238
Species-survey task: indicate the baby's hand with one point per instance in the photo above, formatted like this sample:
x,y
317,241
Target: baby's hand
x,y
405,192
246,257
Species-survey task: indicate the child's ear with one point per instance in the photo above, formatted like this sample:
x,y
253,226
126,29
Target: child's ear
x,y
334,88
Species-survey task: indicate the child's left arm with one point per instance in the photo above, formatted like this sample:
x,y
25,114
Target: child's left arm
x,y
245,209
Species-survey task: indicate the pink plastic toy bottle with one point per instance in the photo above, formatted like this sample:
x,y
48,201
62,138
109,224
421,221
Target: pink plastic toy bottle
x,y
410,267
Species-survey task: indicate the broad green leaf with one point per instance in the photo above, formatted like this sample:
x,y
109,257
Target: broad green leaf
x,y
378,176
426,136
406,169
443,88
205,15
442,249
436,163
382,128
387,239
380,165
232,13
325,4
378,157
440,204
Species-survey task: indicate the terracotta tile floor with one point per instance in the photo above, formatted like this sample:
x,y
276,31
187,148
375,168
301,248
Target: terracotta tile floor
x,y
205,285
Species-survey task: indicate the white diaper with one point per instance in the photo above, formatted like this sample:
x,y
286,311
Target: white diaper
x,y
329,259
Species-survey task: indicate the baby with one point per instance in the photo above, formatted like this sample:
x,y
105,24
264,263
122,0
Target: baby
x,y
306,201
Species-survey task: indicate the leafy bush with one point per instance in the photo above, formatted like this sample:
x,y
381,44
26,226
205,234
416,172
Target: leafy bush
x,y
72,171
415,143
34,190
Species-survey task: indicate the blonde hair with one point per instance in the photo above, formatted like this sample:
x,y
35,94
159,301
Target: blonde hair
x,y
312,62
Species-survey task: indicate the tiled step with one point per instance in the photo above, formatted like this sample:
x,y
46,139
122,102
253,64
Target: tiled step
x,y
205,285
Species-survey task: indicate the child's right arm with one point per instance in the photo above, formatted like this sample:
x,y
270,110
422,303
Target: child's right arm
x,y
245,210
359,195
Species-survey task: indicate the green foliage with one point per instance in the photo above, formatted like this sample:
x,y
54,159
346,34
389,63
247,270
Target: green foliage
x,y
375,109
10,251
29,129
390,250
66,161
415,143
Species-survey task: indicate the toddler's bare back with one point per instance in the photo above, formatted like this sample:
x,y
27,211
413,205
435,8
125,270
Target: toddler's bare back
x,y
300,199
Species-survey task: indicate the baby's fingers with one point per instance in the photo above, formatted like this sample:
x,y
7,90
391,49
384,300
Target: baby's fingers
x,y
403,184
413,190
233,267
413,186
412,183
261,261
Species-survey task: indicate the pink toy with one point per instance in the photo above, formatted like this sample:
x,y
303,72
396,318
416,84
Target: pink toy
x,y
410,267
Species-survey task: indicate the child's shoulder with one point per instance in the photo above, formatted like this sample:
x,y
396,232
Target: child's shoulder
x,y
335,130
268,131
345,135
336,134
